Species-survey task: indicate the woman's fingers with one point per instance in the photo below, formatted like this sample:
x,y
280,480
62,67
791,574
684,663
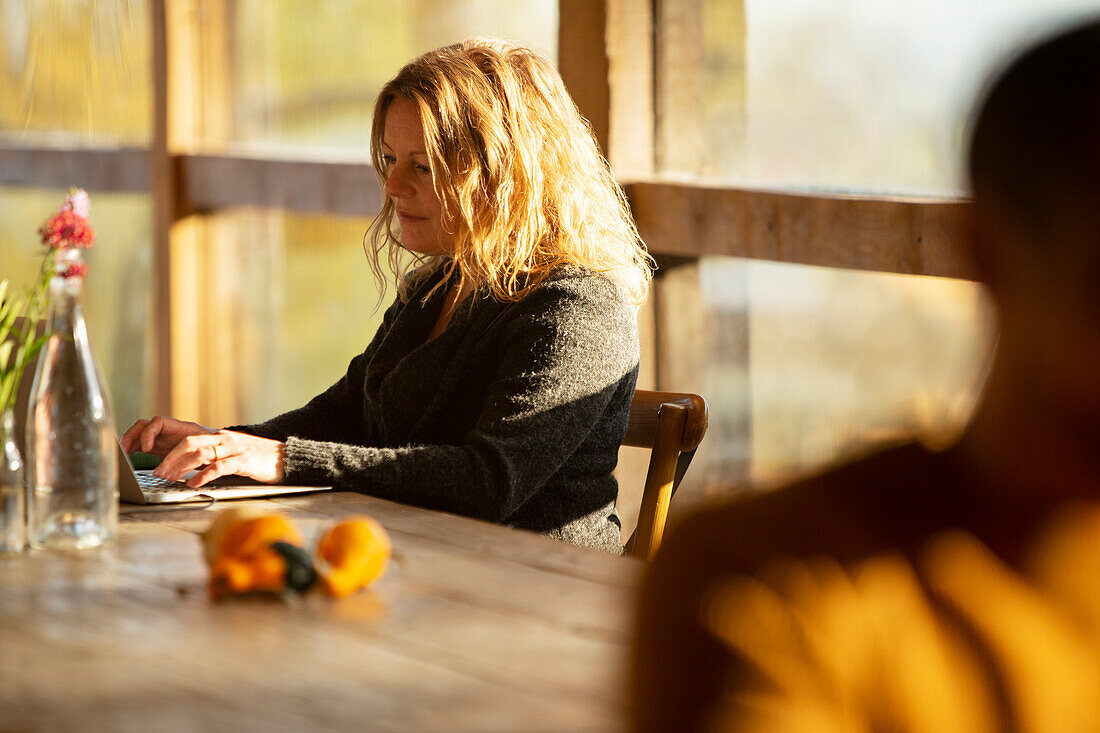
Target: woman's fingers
x,y
159,435
150,434
257,458
189,453
215,469
131,437
224,453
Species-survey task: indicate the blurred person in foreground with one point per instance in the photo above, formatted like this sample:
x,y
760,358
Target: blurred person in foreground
x,y
916,590
499,383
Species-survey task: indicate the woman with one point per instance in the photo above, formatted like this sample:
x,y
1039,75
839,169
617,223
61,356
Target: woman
x,y
499,383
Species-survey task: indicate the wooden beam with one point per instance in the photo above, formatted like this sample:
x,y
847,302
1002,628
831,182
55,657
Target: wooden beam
x,y
119,169
197,84
162,173
907,236
678,56
605,55
700,116
630,81
583,61
212,182
186,184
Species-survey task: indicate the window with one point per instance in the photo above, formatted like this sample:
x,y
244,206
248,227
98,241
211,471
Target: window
x,y
117,295
286,301
268,114
268,304
827,99
301,78
76,75
856,96
298,81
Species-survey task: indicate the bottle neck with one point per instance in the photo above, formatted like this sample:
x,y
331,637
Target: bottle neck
x,y
66,292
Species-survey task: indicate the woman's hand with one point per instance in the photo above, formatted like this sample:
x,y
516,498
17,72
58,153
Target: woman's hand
x,y
224,453
159,435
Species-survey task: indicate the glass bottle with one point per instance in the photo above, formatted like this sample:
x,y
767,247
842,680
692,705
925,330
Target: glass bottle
x,y
13,519
72,469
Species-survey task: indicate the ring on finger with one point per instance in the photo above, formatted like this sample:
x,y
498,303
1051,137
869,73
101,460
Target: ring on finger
x,y
215,454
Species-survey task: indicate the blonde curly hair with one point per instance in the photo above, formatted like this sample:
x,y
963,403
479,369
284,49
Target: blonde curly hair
x,y
522,185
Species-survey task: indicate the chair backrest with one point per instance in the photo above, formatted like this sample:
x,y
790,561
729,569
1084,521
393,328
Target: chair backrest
x,y
671,425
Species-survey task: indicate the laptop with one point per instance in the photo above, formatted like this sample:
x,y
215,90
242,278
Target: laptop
x,y
142,487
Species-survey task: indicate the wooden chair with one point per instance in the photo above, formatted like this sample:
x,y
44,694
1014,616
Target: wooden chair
x,y
671,425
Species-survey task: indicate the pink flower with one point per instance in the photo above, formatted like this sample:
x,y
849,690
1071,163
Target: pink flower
x,y
67,229
78,202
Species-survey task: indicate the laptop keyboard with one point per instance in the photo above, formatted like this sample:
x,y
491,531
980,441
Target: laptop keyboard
x,y
151,484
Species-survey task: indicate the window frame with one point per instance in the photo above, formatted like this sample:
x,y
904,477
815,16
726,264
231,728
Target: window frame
x,y
608,54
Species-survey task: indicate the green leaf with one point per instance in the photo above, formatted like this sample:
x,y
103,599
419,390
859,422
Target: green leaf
x,y
7,305
34,348
7,320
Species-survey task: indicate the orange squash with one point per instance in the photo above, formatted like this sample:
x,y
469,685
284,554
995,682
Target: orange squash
x,y
354,554
257,554
226,518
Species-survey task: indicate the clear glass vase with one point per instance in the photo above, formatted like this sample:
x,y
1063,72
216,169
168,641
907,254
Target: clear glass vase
x,y
72,469
13,512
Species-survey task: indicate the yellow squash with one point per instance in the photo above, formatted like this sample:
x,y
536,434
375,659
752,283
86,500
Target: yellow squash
x,y
353,554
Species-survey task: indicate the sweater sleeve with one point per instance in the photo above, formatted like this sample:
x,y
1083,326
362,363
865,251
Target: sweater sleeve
x,y
338,413
564,353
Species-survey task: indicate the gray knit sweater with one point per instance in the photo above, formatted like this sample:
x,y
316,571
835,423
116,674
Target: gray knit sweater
x,y
513,414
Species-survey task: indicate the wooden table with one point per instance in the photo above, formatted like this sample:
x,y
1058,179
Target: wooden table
x,y
477,628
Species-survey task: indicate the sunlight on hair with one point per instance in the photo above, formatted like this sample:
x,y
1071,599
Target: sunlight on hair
x,y
523,186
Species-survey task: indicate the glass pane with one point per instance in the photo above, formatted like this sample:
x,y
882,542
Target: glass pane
x,y
844,95
806,365
302,77
288,301
842,359
74,72
117,294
